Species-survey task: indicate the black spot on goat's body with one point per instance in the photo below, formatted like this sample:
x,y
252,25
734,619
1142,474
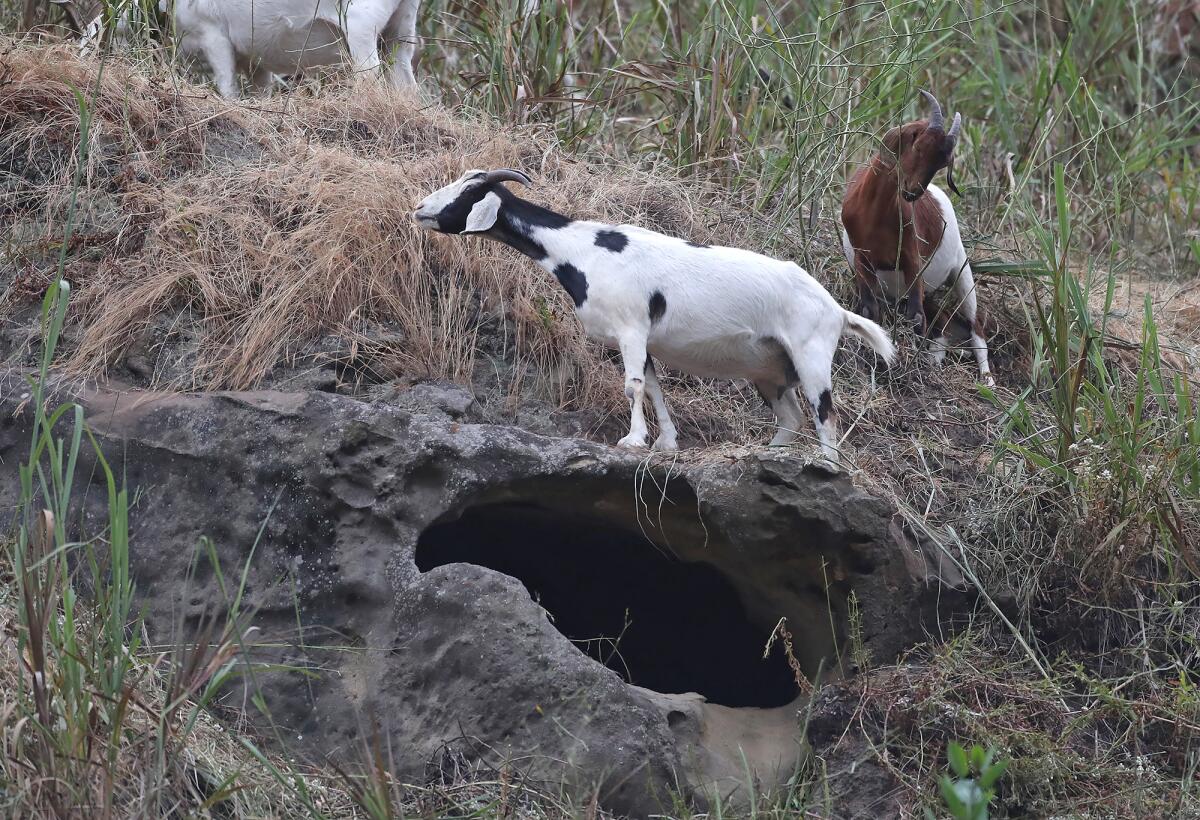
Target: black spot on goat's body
x,y
825,406
699,245
658,306
614,241
573,282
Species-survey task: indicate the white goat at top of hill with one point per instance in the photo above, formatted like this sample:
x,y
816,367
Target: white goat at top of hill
x,y
715,312
268,37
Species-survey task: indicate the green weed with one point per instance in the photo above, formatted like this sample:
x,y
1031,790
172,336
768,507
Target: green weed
x,y
977,773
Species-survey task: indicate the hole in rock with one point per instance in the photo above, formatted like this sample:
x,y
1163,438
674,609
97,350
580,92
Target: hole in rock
x,y
660,623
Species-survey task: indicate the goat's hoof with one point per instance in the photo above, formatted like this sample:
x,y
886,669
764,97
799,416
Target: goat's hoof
x,y
827,465
633,442
988,381
664,444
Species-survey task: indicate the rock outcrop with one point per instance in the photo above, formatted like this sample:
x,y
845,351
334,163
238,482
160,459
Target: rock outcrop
x,y
595,617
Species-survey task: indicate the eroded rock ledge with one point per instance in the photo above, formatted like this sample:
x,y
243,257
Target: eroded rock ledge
x,y
459,583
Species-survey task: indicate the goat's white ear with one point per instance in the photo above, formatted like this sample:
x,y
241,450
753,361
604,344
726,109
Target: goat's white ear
x,y
483,215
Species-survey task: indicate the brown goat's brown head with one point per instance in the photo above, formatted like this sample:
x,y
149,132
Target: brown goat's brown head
x,y
920,149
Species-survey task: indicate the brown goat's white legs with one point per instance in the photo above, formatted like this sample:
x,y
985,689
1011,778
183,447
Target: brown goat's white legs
x,y
968,308
979,346
937,349
666,427
633,357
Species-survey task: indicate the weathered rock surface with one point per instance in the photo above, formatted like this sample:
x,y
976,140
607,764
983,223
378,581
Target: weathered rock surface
x,y
432,573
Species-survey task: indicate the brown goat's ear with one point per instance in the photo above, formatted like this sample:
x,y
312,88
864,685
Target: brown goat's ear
x,y
950,178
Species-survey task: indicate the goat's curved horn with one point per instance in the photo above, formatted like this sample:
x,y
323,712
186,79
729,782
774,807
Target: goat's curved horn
x,y
509,175
955,126
937,120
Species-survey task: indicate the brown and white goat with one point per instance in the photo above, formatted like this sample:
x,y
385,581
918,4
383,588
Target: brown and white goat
x,y
901,237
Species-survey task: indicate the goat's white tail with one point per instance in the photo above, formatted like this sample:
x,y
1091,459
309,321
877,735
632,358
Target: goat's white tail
x,y
872,334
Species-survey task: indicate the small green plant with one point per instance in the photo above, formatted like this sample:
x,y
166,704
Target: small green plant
x,y
977,772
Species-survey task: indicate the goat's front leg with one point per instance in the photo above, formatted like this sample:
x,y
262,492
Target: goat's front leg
x,y
939,330
218,51
979,347
633,356
868,284
914,285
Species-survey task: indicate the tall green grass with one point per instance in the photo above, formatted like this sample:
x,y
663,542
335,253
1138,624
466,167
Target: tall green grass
x,y
99,722
1129,424
1103,447
76,674
777,100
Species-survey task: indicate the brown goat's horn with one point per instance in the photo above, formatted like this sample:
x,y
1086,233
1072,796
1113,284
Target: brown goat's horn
x,y
509,175
937,120
955,126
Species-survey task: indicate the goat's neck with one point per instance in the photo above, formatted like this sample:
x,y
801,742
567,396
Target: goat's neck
x,y
882,188
528,228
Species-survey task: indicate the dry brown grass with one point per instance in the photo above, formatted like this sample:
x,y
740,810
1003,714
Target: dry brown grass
x,y
222,241
262,227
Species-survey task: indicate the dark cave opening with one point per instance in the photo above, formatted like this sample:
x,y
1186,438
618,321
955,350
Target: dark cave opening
x,y
663,624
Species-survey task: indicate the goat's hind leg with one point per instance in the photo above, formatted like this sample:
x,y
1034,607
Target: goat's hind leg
x,y
969,311
816,383
781,398
401,41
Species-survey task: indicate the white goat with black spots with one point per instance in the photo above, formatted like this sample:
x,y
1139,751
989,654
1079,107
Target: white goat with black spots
x,y
715,312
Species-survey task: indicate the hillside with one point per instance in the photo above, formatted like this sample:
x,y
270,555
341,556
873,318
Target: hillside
x,y
263,252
